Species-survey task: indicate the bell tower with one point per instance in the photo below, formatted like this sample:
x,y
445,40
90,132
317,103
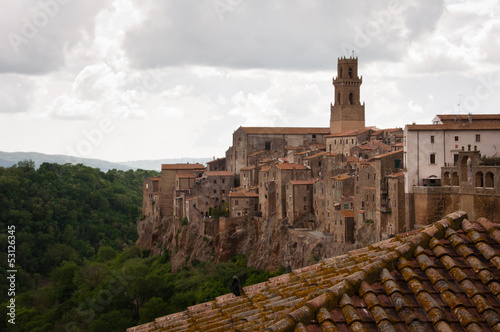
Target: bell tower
x,y
346,111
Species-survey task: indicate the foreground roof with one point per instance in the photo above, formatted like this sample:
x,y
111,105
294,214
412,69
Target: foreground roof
x,y
445,277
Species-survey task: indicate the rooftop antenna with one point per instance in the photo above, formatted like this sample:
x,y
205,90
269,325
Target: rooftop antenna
x,y
459,96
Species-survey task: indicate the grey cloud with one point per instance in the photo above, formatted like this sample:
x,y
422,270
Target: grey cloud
x,y
35,35
259,34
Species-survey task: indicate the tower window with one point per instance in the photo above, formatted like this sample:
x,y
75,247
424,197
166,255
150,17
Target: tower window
x,y
340,74
350,72
338,98
350,98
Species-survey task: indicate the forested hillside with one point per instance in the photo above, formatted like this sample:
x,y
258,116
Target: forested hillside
x,y
77,266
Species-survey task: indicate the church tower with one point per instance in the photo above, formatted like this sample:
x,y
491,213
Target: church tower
x,y
347,113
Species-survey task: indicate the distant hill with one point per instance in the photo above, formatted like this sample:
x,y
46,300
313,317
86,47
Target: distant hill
x,y
8,159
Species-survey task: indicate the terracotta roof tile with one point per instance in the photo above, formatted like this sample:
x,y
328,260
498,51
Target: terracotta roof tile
x,y
290,166
303,182
286,130
442,278
183,166
218,173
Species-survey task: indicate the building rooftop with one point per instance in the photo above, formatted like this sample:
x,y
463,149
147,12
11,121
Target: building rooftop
x,y
444,277
290,166
303,182
218,173
466,117
183,166
387,154
216,160
352,132
286,130
478,125
185,175
346,213
243,194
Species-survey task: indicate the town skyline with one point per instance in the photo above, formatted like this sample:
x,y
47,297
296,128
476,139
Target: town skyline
x,y
122,80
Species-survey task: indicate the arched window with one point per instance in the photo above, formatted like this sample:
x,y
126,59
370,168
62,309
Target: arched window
x,y
350,98
454,179
338,98
489,180
350,72
446,178
479,180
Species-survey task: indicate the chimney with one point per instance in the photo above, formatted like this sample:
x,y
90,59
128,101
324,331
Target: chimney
x,y
470,117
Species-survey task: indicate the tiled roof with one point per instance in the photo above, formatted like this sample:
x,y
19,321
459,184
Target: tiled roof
x,y
249,168
395,175
290,166
352,132
243,194
347,213
302,182
218,173
386,154
256,153
479,125
286,130
185,175
444,278
183,166
465,117
265,168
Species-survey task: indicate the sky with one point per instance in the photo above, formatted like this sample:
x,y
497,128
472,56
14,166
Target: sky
x,y
124,80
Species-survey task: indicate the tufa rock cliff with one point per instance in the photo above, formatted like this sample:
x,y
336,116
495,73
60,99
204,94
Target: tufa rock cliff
x,y
268,244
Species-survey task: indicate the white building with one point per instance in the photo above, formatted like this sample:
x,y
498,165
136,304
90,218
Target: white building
x,y
427,148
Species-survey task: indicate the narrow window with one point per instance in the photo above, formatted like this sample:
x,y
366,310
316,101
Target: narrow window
x,y
268,146
432,139
432,159
478,138
350,72
350,98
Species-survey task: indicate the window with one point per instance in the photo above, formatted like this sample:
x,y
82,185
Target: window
x,y
350,72
223,191
215,181
432,159
334,142
456,138
478,138
305,207
314,136
223,181
350,98
236,202
215,191
362,204
268,146
329,148
432,138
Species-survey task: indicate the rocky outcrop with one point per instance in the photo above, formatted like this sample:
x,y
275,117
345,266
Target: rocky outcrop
x,y
268,244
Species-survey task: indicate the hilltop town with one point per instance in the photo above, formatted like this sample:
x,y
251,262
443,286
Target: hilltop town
x,y
290,196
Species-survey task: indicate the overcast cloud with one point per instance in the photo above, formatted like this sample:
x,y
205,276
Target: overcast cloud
x,y
128,79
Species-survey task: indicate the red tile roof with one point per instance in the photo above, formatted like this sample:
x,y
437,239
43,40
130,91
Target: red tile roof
x,y
249,168
216,160
183,166
346,213
286,130
303,182
387,154
265,168
482,125
185,175
243,194
465,117
218,173
352,132
290,166
444,277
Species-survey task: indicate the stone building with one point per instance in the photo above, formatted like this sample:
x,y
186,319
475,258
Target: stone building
x,y
342,142
347,112
150,198
272,187
215,165
272,142
249,176
169,181
369,149
364,194
299,199
342,227
243,203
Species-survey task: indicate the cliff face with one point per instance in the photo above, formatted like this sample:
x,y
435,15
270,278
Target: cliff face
x,y
268,244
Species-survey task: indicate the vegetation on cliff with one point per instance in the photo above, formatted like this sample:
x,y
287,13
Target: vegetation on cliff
x,y
77,266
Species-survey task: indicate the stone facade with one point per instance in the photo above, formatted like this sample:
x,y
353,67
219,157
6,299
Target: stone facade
x,y
299,199
347,112
342,142
243,203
